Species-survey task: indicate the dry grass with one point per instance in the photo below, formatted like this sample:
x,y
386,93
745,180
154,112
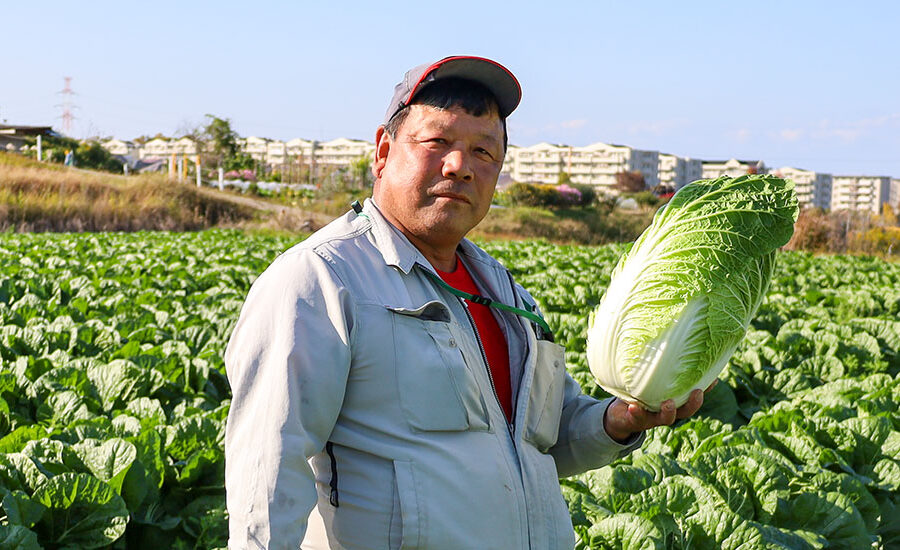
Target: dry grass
x,y
35,197
846,232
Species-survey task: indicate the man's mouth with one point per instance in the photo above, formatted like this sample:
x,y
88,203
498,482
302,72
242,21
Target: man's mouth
x,y
454,196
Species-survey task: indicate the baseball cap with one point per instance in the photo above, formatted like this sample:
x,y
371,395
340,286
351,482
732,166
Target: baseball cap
x,y
492,75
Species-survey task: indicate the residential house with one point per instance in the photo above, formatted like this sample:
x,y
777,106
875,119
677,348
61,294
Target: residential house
x,y
157,148
184,147
12,137
120,147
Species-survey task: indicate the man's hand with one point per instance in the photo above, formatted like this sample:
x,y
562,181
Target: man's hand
x,y
624,419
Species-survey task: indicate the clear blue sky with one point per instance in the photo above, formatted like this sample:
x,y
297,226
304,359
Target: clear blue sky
x,y
811,84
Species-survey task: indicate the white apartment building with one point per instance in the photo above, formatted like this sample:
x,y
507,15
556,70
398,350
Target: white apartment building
x,y
676,172
539,163
183,146
895,196
509,160
732,167
864,193
813,189
276,153
256,147
119,147
157,148
596,164
342,151
298,148
335,153
160,148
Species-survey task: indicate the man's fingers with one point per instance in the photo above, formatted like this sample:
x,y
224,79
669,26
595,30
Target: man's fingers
x,y
711,386
666,414
694,402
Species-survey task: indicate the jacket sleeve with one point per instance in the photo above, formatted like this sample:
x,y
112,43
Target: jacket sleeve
x,y
287,361
583,443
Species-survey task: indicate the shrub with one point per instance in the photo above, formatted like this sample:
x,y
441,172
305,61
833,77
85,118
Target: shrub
x,y
817,231
87,154
589,194
568,195
530,194
245,174
877,240
548,196
644,198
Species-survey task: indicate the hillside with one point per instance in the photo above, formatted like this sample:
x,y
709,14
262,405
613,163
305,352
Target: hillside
x,y
46,197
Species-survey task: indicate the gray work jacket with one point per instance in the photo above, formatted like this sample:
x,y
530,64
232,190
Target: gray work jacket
x,y
361,395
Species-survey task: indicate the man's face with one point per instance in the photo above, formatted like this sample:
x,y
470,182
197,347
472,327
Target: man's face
x,y
436,177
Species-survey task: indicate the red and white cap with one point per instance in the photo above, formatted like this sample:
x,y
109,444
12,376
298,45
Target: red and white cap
x,y
492,75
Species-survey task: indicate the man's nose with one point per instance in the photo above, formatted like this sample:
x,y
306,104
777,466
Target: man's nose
x,y
456,166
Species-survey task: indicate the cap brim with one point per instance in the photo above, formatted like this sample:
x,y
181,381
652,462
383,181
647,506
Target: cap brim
x,y
492,75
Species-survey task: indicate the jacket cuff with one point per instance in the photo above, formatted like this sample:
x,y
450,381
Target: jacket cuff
x,y
626,447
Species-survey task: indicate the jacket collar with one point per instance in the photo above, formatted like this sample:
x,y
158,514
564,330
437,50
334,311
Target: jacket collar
x,y
395,248
397,251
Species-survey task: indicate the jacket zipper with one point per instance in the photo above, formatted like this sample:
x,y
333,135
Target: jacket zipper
x,y
509,426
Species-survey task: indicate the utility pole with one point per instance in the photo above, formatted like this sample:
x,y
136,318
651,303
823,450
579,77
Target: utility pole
x,y
67,106
313,177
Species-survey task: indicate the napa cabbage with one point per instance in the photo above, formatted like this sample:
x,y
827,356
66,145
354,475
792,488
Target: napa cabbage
x,y
681,299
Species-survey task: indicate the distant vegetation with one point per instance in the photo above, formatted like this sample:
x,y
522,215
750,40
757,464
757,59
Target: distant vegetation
x,y
49,197
86,154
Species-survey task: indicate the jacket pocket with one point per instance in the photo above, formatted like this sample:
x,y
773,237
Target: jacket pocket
x,y
409,510
437,391
546,397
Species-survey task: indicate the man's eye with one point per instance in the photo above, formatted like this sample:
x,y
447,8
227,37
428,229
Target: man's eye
x,y
484,152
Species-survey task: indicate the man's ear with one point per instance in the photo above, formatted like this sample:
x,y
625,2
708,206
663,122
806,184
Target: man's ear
x,y
382,148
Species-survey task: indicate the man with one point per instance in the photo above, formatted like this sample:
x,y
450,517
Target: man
x,y
375,391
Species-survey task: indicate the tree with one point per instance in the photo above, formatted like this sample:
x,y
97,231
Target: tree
x,y
630,182
221,141
361,172
888,215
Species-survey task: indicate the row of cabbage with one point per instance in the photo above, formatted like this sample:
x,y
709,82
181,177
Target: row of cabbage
x,y
798,448
112,389
113,400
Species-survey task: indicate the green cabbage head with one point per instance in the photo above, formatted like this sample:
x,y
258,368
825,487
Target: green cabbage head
x,y
681,299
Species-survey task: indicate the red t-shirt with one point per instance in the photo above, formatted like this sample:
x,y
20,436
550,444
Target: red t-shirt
x,y
489,332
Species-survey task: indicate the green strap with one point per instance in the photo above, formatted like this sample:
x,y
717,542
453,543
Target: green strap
x,y
531,316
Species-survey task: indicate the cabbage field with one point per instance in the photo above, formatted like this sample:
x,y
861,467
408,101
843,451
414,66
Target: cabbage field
x,y
113,400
